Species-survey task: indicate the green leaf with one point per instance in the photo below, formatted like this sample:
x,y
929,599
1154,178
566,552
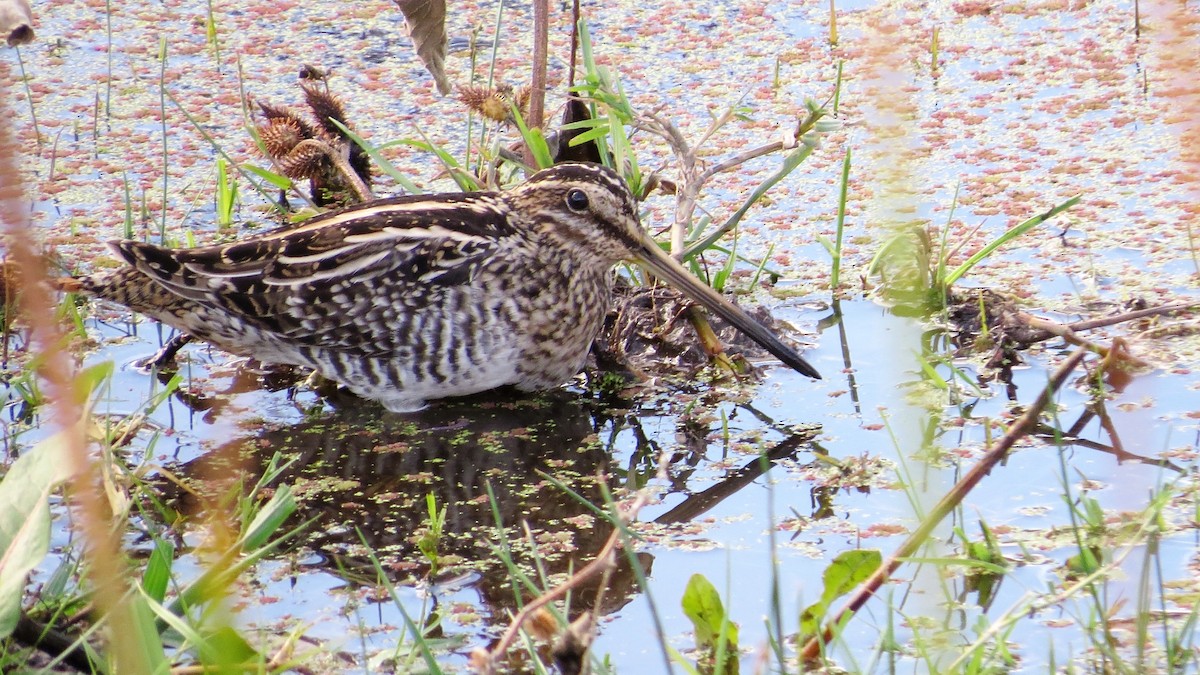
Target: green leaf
x,y
24,547
227,650
273,514
174,622
428,542
589,123
90,379
384,164
789,164
810,620
595,134
281,182
158,570
534,140
702,604
25,519
1005,238
146,638
826,243
682,661
466,182
847,571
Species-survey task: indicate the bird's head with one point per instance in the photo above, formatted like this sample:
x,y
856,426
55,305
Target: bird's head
x,y
591,207
582,206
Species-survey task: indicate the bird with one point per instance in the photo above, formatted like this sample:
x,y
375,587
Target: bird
x,y
408,299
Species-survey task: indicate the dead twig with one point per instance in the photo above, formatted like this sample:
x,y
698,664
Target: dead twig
x,y
537,99
690,182
1131,316
1065,332
1180,329
484,661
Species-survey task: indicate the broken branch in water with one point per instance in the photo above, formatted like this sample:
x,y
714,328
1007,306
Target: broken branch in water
x,y
1019,429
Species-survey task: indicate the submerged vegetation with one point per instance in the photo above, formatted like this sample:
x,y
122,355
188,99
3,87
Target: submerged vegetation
x,y
230,519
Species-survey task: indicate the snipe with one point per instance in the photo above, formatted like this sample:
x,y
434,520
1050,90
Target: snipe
x,y
420,297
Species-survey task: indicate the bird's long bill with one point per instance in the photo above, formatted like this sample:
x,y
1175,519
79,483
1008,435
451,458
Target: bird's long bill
x,y
666,268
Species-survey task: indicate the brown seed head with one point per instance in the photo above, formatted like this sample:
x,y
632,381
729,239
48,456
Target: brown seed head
x,y
325,107
280,135
542,625
307,160
495,103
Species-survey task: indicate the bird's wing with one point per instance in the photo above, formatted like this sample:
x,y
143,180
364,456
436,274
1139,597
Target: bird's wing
x,y
340,280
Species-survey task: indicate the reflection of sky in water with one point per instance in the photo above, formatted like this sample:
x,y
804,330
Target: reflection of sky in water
x,y
881,349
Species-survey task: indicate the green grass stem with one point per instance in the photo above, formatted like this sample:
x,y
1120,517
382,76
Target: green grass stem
x,y
1003,239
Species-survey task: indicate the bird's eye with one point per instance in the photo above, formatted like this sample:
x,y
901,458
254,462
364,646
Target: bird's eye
x,y
577,201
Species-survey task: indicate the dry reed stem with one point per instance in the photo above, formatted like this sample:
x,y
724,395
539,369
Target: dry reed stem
x,y
1132,316
102,551
541,40
1174,30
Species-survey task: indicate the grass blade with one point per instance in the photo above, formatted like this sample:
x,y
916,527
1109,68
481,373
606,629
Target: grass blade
x,y
1008,236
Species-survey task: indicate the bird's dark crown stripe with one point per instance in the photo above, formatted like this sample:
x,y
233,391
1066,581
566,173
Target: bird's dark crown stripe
x,y
595,173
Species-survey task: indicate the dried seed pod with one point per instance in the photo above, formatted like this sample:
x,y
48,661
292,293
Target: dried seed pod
x,y
485,101
495,103
309,159
325,107
280,135
542,625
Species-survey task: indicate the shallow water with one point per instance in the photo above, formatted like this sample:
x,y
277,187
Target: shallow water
x,y
998,122
362,470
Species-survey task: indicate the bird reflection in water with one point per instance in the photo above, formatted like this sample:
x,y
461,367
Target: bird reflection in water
x,y
362,477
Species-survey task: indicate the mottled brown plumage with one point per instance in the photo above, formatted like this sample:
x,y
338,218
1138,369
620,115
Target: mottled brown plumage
x,y
413,298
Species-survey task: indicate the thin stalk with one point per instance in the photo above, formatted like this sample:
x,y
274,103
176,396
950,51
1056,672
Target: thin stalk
x,y
835,274
162,112
1192,247
777,638
109,58
789,164
943,254
474,57
933,50
96,126
37,131
833,32
1006,237
837,86
54,155
210,30
491,81
541,39
574,42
